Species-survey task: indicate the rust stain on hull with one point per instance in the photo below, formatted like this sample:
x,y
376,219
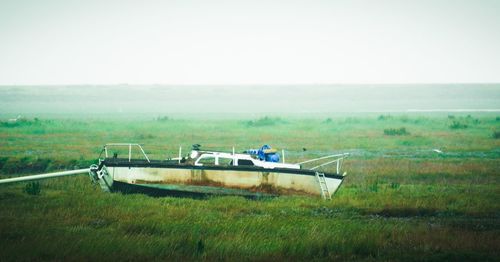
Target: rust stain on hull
x,y
265,188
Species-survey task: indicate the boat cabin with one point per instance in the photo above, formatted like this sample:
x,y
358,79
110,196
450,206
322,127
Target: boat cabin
x,y
203,158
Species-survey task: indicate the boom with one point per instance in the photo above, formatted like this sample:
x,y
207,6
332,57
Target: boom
x,y
44,176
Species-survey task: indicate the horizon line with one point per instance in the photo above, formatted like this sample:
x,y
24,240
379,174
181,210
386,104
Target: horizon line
x,y
254,84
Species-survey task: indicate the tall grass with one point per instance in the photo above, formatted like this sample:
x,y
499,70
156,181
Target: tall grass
x,y
401,201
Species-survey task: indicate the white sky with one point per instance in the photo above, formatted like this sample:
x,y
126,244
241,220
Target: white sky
x,y
249,42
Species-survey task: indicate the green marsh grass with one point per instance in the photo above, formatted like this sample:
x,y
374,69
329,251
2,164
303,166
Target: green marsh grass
x,y
401,201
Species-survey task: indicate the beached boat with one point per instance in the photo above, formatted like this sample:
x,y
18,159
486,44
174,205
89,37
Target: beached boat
x,y
253,173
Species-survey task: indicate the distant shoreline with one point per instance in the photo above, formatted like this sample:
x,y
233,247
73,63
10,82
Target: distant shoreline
x,y
127,100
453,110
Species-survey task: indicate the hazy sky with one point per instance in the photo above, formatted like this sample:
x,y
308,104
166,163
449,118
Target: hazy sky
x,y
249,42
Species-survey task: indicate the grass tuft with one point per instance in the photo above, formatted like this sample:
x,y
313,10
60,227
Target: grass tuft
x,y
384,117
32,188
458,125
265,121
162,118
396,132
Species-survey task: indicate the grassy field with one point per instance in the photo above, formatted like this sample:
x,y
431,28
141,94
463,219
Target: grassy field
x,y
401,201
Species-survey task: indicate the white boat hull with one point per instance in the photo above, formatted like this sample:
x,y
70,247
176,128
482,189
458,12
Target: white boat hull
x,y
263,181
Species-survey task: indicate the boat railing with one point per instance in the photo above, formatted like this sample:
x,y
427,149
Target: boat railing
x,y
129,145
339,160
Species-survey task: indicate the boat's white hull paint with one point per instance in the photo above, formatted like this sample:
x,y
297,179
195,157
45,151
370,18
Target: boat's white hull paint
x,y
252,180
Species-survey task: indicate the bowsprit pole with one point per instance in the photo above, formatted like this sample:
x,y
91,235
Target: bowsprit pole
x,y
45,176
